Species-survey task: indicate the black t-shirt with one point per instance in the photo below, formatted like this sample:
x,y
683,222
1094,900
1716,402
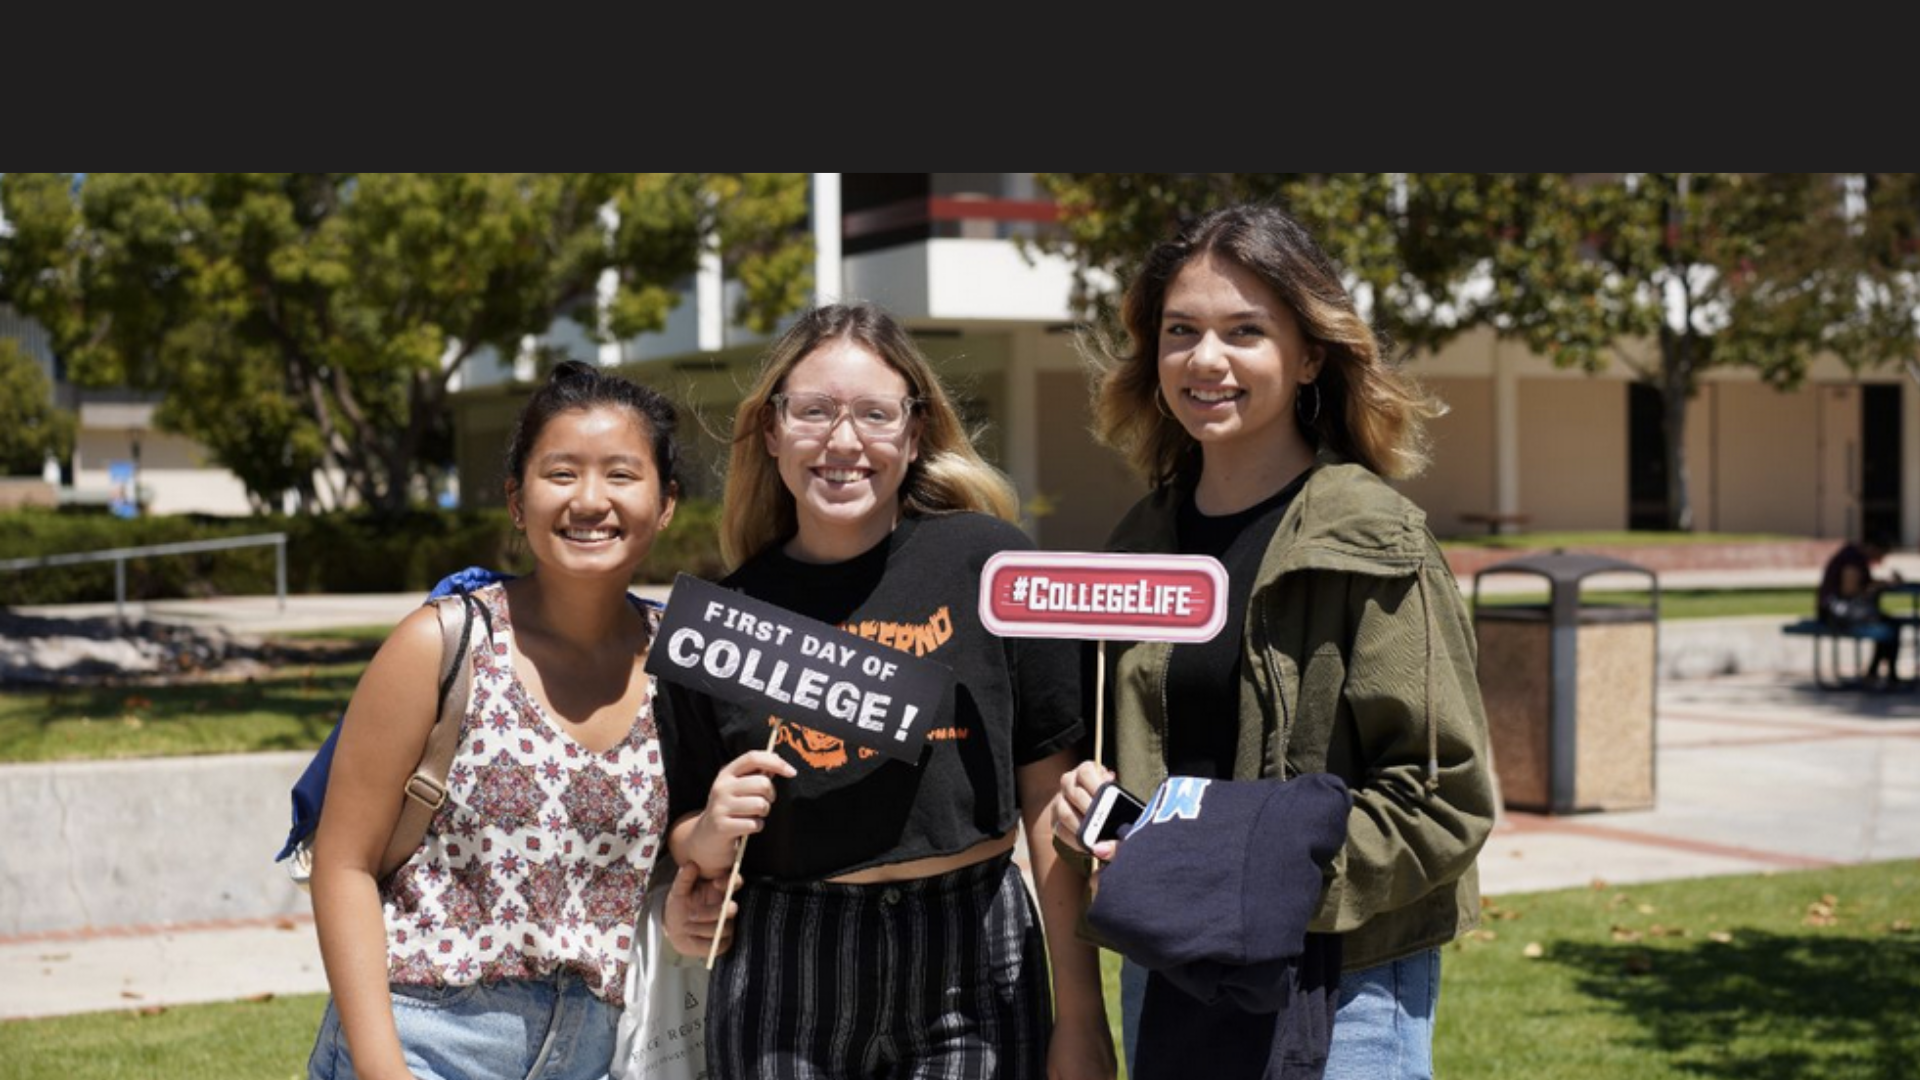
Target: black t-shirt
x,y
1015,701
1203,678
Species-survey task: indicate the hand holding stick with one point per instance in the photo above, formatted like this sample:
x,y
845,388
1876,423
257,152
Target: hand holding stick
x,y
739,853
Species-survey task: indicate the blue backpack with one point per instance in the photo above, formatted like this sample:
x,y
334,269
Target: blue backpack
x,y
426,788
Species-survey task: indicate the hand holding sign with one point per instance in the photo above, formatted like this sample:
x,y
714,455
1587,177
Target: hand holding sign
x,y
747,651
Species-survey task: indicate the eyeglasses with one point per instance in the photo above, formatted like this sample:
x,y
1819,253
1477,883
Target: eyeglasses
x,y
815,415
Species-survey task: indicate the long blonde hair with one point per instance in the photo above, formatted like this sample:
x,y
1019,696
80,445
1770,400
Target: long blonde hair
x,y
758,510
1366,411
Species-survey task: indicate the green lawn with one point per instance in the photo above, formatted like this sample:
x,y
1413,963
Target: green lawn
x,y
1684,603
291,710
1807,974
1767,977
244,1040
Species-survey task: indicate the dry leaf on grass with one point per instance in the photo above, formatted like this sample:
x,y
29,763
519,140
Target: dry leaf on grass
x,y
1822,912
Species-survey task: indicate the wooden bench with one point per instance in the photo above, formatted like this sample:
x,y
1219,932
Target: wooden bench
x,y
1833,635
1496,523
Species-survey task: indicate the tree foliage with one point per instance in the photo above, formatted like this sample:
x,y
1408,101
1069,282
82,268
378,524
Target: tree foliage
x,y
303,322
31,426
1668,273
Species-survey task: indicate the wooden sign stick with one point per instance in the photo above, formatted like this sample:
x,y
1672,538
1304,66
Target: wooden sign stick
x,y
1099,698
739,853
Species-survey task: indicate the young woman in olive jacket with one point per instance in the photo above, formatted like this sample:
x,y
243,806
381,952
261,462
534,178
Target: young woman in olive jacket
x,y
1255,400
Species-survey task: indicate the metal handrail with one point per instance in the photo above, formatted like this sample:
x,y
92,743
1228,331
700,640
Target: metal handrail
x,y
119,557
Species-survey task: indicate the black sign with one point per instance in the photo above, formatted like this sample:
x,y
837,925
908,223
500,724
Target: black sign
x,y
762,656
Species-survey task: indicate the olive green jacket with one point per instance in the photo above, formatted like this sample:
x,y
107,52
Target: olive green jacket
x,y
1358,659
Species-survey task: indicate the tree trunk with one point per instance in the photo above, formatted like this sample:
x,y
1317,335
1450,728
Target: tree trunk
x,y
1676,387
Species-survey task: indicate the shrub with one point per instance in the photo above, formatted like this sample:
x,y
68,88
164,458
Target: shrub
x,y
338,552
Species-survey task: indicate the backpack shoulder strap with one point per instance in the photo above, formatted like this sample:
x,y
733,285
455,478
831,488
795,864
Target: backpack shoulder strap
x,y
426,789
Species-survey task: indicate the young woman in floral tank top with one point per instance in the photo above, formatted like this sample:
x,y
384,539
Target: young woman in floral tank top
x,y
500,947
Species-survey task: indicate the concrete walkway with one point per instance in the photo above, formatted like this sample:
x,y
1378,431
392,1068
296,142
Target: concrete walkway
x,y
1756,772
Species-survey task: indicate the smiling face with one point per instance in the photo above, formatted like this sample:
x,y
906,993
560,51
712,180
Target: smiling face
x,y
845,487
1232,360
589,498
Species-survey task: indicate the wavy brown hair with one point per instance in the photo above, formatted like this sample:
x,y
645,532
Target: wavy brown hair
x,y
1368,411
758,510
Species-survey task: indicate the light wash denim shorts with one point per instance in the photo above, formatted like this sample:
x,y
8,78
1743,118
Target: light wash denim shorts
x,y
544,1029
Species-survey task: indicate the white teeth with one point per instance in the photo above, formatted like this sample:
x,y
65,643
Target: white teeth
x,y
841,476
1214,396
590,534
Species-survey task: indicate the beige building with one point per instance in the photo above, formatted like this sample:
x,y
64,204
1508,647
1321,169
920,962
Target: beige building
x,y
1553,449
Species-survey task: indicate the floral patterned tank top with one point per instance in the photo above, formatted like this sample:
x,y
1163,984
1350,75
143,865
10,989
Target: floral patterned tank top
x,y
537,862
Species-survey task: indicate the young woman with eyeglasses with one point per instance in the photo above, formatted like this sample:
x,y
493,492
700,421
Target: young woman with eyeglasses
x,y
882,928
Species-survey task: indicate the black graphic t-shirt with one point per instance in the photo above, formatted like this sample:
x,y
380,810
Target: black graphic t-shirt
x,y
1015,701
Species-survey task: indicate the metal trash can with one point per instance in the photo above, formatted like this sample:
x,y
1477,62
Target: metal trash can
x,y
1569,689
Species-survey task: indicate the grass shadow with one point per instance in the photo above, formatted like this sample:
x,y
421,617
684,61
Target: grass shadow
x,y
1764,1006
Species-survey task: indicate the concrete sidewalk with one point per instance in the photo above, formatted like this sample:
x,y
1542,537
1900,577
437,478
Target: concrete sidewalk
x,y
1755,773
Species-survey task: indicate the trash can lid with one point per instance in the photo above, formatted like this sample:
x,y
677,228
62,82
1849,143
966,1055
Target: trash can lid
x,y
1564,572
1563,568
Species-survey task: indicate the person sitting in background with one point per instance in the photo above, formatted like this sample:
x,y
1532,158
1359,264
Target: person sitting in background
x,y
1850,597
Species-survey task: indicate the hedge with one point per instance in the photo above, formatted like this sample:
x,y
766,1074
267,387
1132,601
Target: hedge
x,y
331,553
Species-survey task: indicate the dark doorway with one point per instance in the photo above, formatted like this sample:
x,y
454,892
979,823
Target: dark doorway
x,y
1646,459
1880,439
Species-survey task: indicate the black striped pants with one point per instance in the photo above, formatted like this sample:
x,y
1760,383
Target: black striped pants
x,y
940,977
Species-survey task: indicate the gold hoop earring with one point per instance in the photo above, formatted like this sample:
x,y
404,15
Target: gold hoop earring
x,y
1313,417
1160,404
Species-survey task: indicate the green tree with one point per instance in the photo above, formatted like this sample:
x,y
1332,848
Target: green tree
x,y
1429,255
31,427
1668,273
1763,271
303,322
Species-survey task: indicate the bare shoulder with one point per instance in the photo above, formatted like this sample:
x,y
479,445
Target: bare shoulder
x,y
400,685
415,640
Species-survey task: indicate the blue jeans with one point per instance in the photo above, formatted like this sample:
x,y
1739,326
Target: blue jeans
x,y
1382,1031
544,1029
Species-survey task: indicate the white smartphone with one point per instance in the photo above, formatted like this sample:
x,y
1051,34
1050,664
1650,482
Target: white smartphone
x,y
1111,816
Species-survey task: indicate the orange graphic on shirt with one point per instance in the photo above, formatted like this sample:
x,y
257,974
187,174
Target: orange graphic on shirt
x,y
827,752
916,638
823,752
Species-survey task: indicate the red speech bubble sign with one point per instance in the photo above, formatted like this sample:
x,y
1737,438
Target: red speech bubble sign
x,y
1098,596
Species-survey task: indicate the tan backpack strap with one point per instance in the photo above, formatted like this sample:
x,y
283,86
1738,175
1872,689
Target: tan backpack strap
x,y
426,789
